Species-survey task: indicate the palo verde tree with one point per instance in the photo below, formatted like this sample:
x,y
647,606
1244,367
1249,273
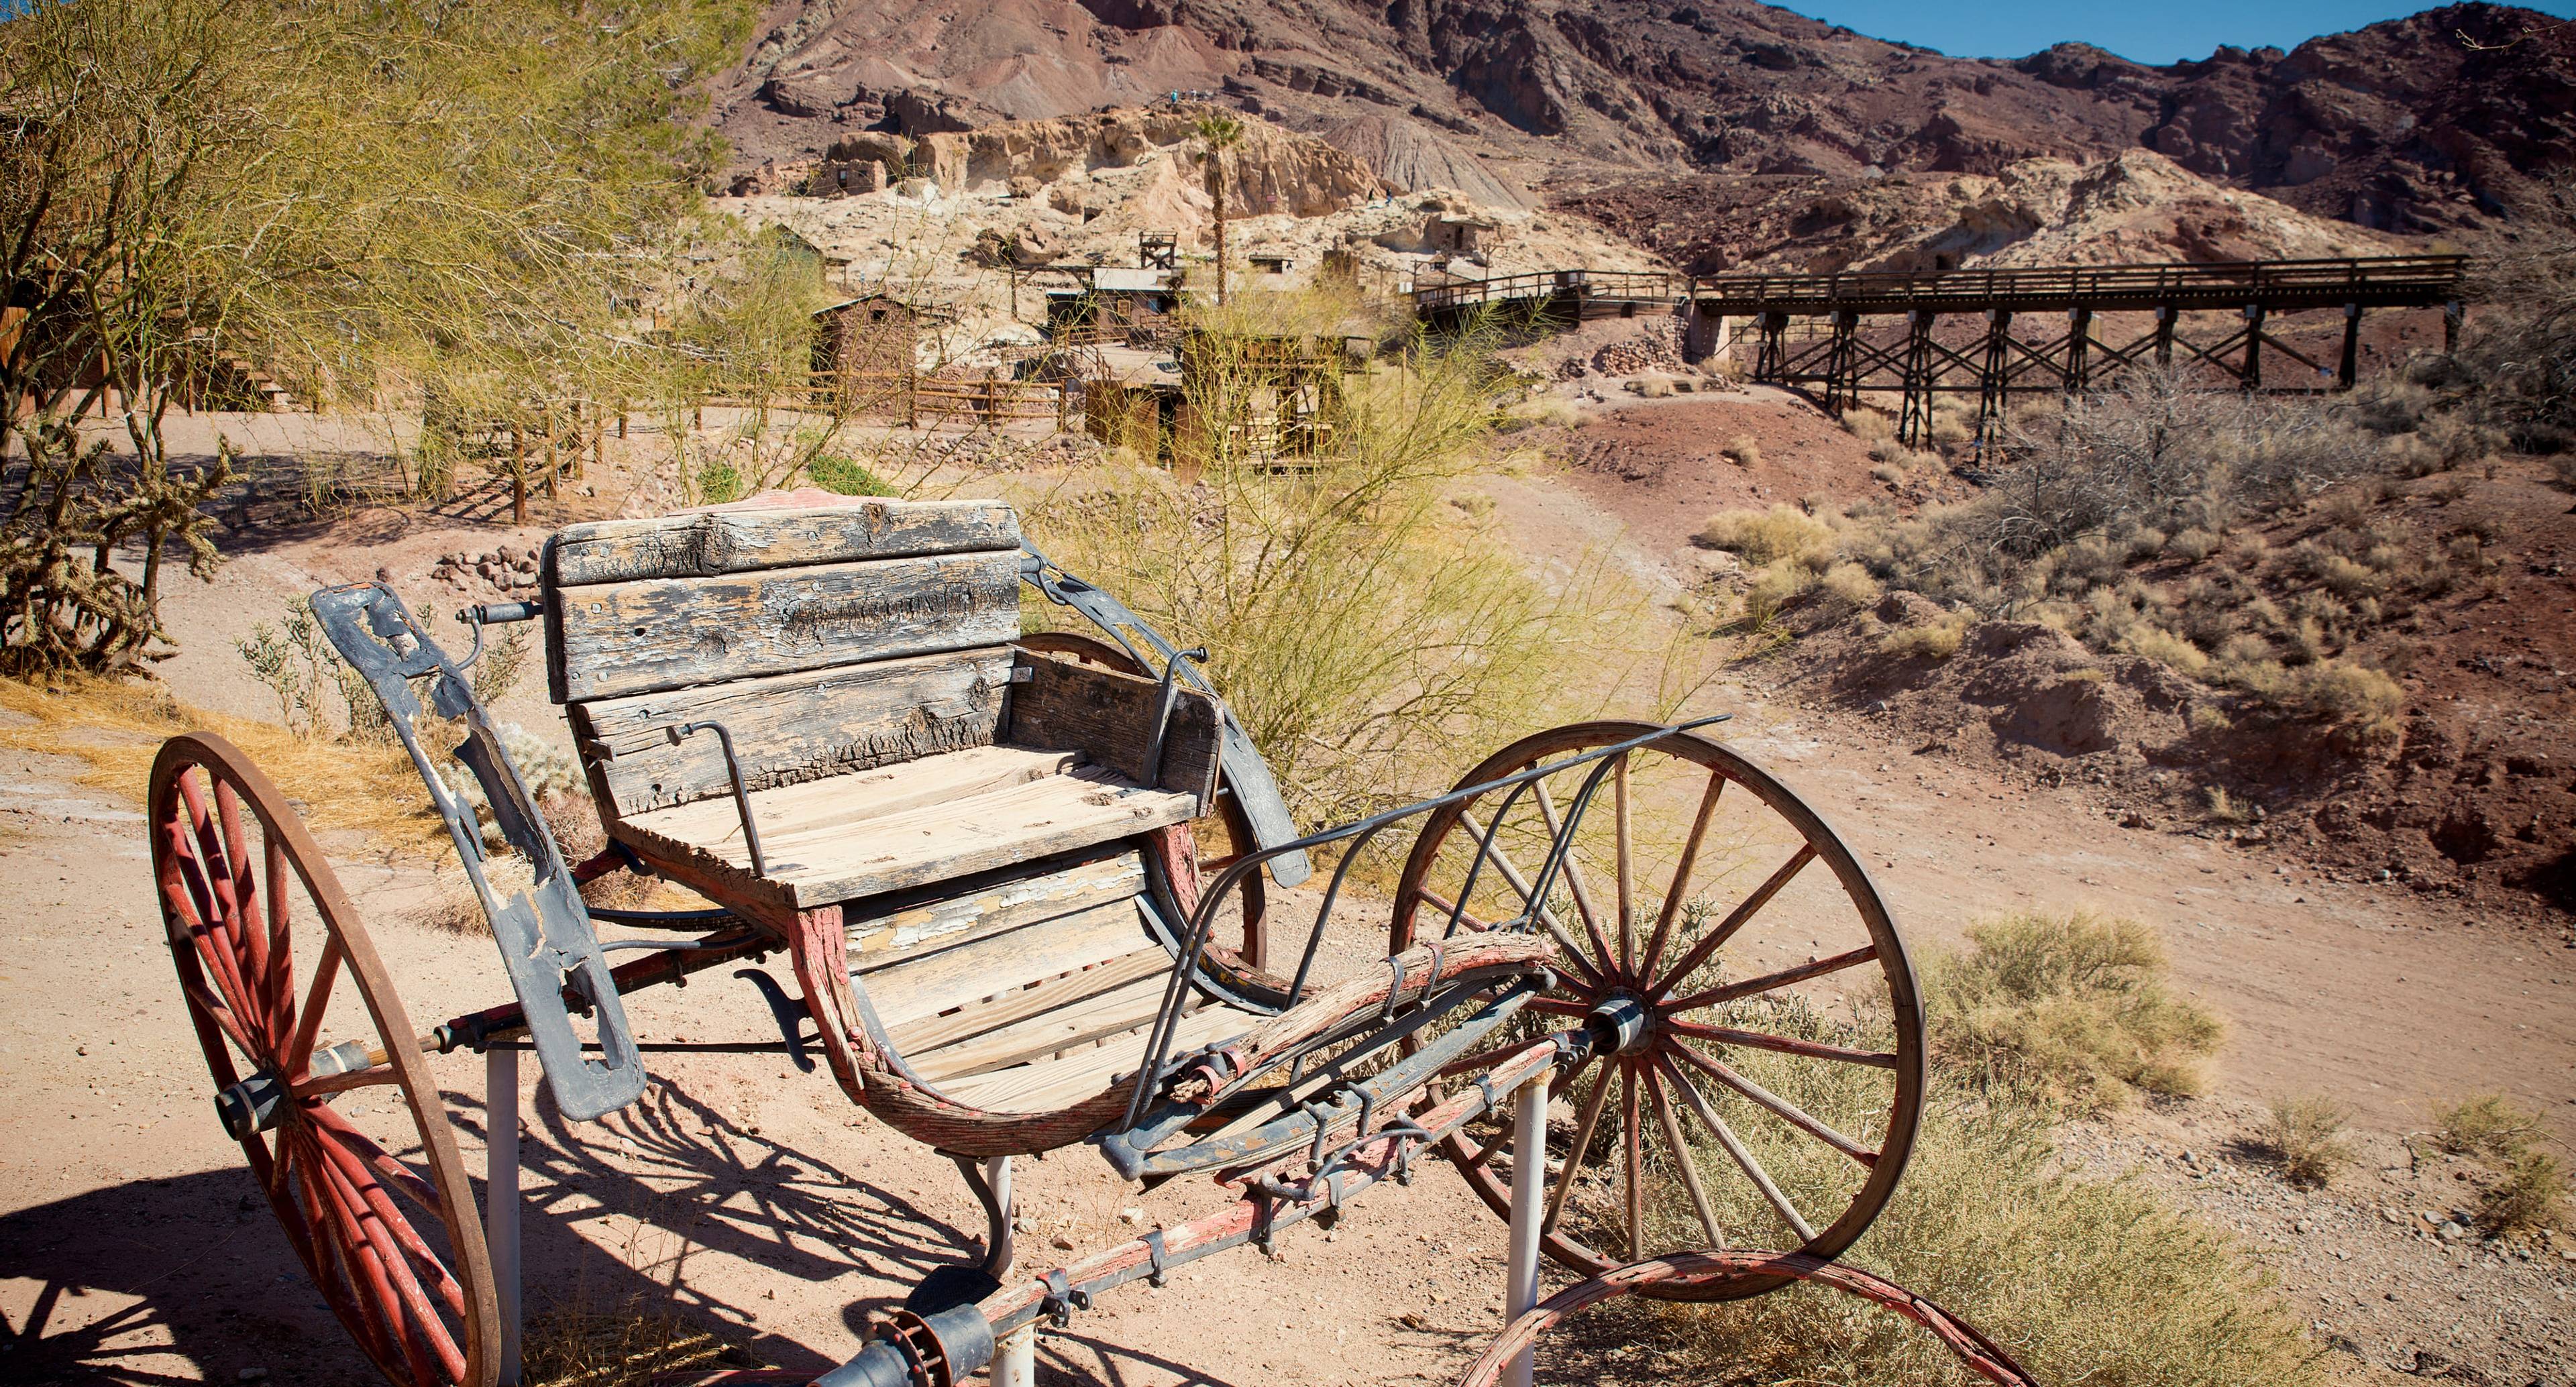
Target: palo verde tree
x,y
374,205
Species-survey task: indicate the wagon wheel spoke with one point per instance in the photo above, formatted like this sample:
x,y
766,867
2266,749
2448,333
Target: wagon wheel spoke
x,y
354,1171
1772,982
1584,1127
281,945
201,912
1782,1044
1735,1149
1679,891
1779,1107
1737,918
420,1191
1688,1168
1632,1137
317,1001
414,1320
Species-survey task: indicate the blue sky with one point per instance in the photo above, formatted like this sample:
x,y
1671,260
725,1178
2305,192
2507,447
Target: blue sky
x,y
2146,31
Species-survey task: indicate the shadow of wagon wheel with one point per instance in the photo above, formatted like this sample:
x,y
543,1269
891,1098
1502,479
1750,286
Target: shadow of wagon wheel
x,y
188,1278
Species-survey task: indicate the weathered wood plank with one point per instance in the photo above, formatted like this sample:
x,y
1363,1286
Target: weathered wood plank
x,y
791,728
1080,1022
882,939
668,633
856,803
933,982
739,541
830,855
1052,1084
961,1041
1109,717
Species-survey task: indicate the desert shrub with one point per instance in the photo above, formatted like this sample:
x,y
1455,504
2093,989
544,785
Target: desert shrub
x,y
1743,451
1869,425
1933,640
1887,472
2339,692
1847,586
846,477
1372,639
2192,544
2165,648
2304,1137
2484,1124
2412,455
2529,1184
1762,537
2528,1193
2066,1010
719,482
2523,362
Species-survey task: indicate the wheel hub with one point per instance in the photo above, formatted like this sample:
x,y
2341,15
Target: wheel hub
x,y
1620,1024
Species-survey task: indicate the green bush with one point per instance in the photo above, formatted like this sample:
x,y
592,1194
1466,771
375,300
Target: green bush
x,y
846,477
718,483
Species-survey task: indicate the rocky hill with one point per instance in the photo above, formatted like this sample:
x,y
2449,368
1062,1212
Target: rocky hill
x,y
2440,123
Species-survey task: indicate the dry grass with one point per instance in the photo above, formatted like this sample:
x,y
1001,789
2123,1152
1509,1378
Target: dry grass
x,y
2304,1137
2065,1012
632,1346
117,728
2529,1185
2484,1124
2083,1281
1782,532
1743,451
1936,640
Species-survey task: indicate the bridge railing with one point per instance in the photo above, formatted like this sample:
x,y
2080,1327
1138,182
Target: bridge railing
x,y
2431,275
1649,285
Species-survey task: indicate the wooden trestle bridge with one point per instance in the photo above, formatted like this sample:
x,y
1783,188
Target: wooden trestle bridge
x,y
1881,331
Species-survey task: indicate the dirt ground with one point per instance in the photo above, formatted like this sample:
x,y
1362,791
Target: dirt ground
x,y
751,1197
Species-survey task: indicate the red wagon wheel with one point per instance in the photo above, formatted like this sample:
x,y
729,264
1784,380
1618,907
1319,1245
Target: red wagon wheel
x,y
1768,1070
397,1252
1214,855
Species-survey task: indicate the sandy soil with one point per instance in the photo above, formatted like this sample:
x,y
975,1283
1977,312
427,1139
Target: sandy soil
x,y
750,1196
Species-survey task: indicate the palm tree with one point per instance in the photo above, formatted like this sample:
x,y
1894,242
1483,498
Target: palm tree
x,y
1218,132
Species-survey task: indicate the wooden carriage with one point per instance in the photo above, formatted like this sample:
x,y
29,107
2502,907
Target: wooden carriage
x,y
1026,883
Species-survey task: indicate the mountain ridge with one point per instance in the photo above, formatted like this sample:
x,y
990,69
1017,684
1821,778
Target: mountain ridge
x,y
2443,123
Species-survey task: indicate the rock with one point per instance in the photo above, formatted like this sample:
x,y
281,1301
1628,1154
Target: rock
x,y
1131,1215
1060,1243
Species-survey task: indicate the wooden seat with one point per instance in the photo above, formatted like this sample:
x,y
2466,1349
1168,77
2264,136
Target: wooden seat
x,y
969,834
873,831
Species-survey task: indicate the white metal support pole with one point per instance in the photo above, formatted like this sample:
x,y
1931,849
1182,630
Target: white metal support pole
x,y
1015,1357
501,1195
1529,1197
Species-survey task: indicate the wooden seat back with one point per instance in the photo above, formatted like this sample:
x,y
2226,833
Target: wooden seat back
x,y
826,640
